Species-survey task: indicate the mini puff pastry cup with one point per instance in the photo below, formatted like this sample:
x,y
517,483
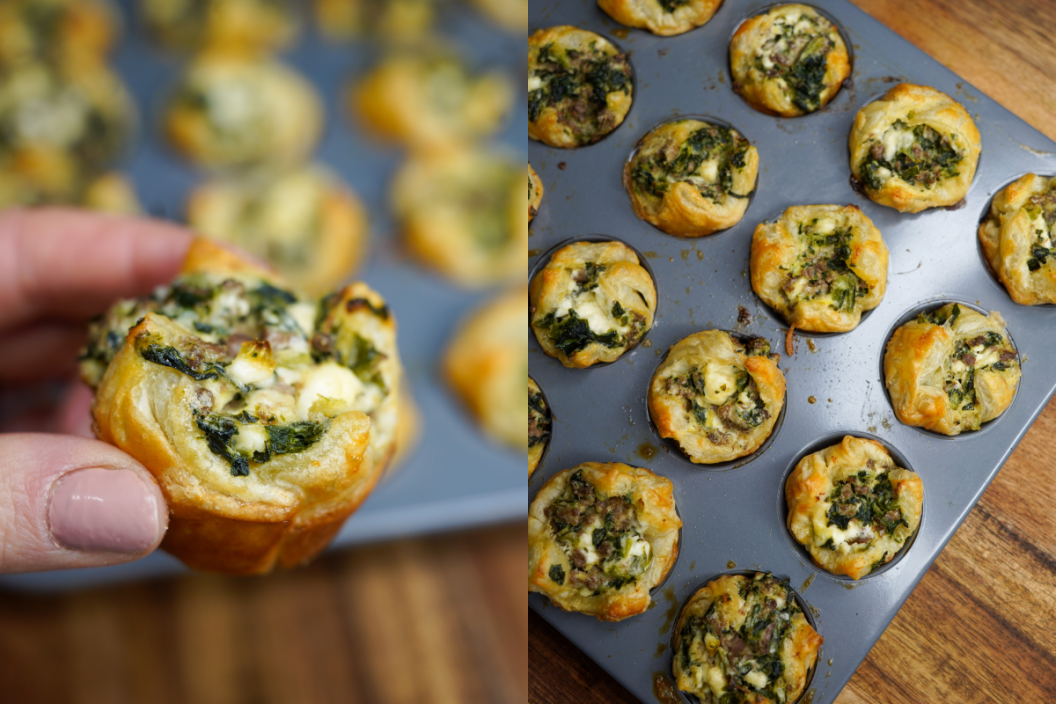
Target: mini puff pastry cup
x,y
929,361
689,186
1017,239
883,133
792,266
461,214
56,29
646,498
511,15
164,390
392,20
306,222
788,61
651,15
721,642
575,118
486,363
234,110
245,25
716,401
808,493
540,425
591,303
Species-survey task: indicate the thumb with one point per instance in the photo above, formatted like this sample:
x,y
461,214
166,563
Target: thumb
x,y
71,502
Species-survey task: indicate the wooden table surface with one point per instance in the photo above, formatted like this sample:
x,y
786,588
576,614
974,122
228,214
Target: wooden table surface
x,y
979,626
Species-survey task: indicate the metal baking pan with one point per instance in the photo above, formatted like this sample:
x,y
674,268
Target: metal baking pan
x,y
457,477
734,518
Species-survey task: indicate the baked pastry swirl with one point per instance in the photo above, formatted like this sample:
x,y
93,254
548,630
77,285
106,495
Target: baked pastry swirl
x,y
691,178
717,396
540,424
430,99
852,507
664,17
56,30
788,61
234,110
951,370
461,214
820,266
579,87
591,303
535,192
243,25
743,638
1019,239
265,418
914,148
306,222
600,536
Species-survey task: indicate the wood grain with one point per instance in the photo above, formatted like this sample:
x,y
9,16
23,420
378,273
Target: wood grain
x,y
978,628
438,620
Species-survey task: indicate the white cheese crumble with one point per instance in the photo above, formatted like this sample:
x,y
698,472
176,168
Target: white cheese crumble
x,y
757,679
720,382
328,381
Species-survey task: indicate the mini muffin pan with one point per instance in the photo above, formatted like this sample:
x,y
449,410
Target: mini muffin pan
x,y
735,519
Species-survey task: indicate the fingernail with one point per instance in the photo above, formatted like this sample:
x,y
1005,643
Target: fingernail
x,y
103,510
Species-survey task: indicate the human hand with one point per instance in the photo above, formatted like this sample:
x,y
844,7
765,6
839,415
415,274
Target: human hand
x,y
67,500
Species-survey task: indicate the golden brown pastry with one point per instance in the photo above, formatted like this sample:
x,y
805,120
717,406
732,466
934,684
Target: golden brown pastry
x,y
400,20
743,638
600,536
852,507
540,424
60,30
110,192
306,222
535,193
431,99
486,363
511,15
691,178
591,303
462,215
820,266
788,61
1017,238
236,110
579,87
951,370
265,418
62,123
717,396
914,148
663,17
242,25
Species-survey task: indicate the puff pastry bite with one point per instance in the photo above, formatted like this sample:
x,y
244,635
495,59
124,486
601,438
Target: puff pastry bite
x,y
852,507
914,148
462,215
717,396
400,20
1018,239
600,536
245,25
305,222
431,99
540,424
511,15
820,266
236,110
788,61
535,192
61,123
579,87
951,370
663,17
265,418
743,638
486,363
691,178
109,192
591,303
56,29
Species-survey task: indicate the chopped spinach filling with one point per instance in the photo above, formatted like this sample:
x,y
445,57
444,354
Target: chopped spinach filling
x,y
799,55
539,420
742,411
570,333
929,159
672,5
822,269
869,499
655,173
282,439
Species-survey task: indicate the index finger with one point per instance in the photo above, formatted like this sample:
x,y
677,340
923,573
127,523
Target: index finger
x,y
71,265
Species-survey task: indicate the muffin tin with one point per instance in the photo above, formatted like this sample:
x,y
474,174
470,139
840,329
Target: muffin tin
x,y
734,519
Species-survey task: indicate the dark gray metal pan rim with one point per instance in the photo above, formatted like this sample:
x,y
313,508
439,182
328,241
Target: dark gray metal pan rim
x,y
782,506
910,314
